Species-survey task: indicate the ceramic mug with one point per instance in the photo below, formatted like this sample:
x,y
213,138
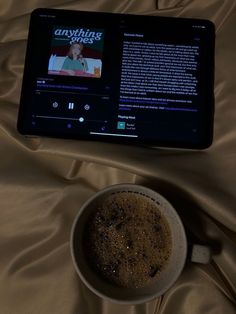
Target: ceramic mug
x,y
167,276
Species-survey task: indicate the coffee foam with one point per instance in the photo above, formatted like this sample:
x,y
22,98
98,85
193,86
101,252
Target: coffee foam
x,y
127,240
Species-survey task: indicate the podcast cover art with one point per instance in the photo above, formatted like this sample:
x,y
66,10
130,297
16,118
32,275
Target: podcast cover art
x,y
76,51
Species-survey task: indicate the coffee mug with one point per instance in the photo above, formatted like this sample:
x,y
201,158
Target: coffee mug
x,y
166,277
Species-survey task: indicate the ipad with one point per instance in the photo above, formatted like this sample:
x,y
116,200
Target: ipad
x,y
124,78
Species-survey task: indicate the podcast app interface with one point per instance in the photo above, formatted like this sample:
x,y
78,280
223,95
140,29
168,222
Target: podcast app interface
x,y
116,80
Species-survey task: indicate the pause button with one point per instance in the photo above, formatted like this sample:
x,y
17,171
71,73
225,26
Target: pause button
x,y
71,105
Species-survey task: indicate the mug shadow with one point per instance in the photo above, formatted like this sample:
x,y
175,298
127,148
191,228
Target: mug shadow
x,y
91,303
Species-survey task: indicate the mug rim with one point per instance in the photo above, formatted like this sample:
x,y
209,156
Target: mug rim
x,y
81,275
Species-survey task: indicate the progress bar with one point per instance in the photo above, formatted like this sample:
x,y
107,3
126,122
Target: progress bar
x,y
58,118
66,118
113,134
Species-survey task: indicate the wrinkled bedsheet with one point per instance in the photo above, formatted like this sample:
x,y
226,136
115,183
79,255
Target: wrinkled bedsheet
x,y
44,181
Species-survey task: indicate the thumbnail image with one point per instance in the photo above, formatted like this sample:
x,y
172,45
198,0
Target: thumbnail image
x,y
76,52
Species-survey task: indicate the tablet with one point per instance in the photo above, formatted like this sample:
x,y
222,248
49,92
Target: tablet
x,y
124,78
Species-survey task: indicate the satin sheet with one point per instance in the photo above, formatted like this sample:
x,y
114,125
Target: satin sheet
x,y
43,182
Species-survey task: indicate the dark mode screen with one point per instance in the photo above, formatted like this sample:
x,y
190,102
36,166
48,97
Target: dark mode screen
x,y
116,77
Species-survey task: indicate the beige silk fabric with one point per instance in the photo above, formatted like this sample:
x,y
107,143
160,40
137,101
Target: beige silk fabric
x,y
44,181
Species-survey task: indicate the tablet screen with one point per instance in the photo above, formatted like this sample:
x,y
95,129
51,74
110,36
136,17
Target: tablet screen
x,y
116,77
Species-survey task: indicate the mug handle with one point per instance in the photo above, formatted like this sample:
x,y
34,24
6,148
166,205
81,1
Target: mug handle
x,y
200,254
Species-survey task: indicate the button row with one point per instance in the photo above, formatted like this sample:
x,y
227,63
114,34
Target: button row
x,y
70,106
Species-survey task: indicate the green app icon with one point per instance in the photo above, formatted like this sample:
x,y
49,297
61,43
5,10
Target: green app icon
x,y
120,125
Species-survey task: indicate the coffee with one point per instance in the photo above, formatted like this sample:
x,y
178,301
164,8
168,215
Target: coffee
x,y
127,240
